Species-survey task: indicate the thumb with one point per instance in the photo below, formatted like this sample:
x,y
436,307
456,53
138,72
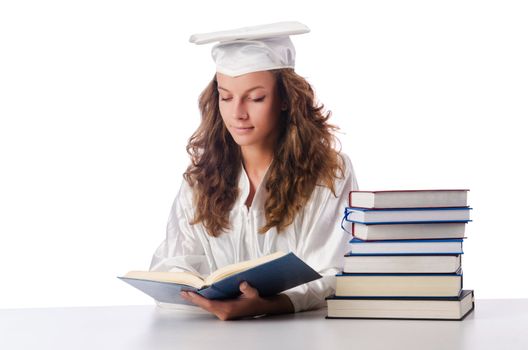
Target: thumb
x,y
248,291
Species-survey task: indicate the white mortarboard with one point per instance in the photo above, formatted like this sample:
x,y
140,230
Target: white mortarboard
x,y
252,49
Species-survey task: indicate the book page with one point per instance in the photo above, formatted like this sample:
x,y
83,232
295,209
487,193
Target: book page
x,y
187,278
232,269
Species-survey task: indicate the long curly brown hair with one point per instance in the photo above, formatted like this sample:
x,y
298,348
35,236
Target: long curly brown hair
x,y
305,157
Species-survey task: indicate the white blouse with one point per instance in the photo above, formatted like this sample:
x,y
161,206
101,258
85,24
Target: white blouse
x,y
315,236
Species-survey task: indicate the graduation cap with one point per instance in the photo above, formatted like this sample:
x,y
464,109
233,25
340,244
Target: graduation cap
x,y
251,49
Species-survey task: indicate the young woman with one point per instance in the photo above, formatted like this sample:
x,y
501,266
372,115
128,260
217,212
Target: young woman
x,y
264,176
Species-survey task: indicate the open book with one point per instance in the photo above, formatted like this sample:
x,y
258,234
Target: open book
x,y
270,274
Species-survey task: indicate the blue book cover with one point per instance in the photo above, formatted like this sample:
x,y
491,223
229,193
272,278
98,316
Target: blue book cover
x,y
406,215
268,278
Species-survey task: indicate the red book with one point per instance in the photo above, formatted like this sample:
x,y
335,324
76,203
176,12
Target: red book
x,y
408,199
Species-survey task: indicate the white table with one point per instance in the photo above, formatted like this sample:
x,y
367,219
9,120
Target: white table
x,y
494,324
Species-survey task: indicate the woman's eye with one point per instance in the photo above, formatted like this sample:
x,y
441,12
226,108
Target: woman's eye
x,y
260,99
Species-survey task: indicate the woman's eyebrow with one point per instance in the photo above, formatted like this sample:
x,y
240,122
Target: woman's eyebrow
x,y
250,89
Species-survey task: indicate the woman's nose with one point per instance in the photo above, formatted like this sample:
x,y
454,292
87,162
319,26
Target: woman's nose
x,y
239,109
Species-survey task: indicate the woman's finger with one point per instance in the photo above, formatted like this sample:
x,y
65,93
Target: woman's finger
x,y
248,291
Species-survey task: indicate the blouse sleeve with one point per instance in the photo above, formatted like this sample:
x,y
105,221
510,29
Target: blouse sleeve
x,y
323,242
183,248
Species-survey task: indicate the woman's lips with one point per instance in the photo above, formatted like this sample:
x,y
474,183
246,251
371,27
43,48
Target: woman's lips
x,y
242,129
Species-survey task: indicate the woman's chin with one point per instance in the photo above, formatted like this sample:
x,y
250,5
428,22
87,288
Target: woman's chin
x,y
243,142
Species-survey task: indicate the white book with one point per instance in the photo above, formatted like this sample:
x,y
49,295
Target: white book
x,y
398,285
408,246
401,263
455,308
409,231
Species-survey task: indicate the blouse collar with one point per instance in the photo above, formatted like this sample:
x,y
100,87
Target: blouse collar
x,y
260,194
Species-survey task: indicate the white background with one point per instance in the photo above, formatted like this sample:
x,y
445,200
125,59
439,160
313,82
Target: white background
x,y
99,98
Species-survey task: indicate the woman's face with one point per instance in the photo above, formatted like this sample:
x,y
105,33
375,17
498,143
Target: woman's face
x,y
250,107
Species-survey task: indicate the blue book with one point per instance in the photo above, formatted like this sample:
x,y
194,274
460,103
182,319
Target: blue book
x,y
270,275
406,215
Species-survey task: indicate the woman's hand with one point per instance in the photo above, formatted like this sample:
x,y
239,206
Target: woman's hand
x,y
247,304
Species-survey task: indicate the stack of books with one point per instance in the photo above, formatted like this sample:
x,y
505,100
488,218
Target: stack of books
x,y
405,256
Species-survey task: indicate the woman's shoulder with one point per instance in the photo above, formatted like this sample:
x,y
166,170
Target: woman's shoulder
x,y
342,184
346,180
346,162
185,194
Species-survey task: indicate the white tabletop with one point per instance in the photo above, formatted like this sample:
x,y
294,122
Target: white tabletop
x,y
494,324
